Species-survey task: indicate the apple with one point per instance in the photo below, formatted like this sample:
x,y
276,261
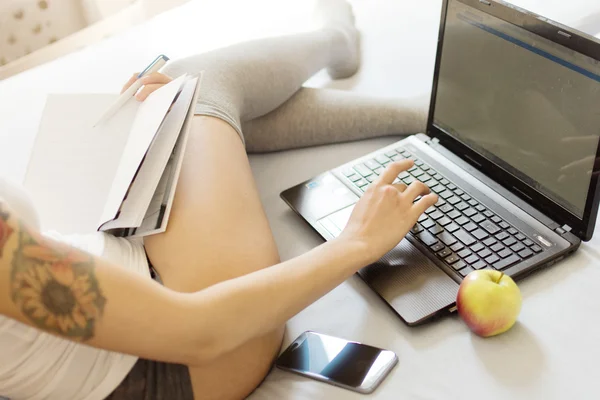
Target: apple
x,y
489,302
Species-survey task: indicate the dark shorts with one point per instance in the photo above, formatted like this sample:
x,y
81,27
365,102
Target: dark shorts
x,y
152,380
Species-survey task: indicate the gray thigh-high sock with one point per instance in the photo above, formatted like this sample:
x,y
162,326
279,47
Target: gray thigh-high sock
x,y
248,80
322,116
243,84
251,79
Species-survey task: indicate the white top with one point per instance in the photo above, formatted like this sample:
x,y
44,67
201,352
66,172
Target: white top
x,y
36,365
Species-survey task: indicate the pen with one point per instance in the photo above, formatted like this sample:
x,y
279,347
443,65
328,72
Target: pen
x,y
154,66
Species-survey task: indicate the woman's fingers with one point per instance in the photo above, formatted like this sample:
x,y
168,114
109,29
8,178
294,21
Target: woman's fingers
x,y
415,190
147,91
155,80
392,171
425,202
156,77
400,186
130,82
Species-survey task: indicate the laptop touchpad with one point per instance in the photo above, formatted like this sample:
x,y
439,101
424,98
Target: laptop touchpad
x,y
336,222
405,278
410,283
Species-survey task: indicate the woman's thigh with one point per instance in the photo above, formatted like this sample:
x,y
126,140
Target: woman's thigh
x,y
218,230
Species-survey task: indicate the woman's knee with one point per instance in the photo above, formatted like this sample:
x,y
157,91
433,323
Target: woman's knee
x,y
238,373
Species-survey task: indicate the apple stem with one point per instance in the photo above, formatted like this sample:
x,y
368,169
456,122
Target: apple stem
x,y
500,277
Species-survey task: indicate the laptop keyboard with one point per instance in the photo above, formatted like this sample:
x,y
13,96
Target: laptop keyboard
x,y
459,230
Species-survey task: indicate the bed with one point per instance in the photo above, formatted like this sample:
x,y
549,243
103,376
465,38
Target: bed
x,y
551,353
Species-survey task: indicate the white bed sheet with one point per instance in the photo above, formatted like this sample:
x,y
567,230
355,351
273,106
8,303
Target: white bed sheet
x,y
551,354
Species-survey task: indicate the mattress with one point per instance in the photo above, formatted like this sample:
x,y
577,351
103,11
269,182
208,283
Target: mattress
x,y
551,353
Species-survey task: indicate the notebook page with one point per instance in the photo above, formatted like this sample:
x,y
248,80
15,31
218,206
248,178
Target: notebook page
x,y
72,167
147,121
157,216
146,180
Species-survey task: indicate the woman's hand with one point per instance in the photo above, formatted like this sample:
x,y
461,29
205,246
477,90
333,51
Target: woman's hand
x,y
151,83
386,211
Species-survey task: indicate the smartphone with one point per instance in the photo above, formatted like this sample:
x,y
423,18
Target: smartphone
x,y
340,362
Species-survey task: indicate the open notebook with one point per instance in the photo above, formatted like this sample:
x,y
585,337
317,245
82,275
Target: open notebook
x,y
118,177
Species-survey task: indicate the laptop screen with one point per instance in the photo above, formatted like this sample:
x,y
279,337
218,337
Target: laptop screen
x,y
527,104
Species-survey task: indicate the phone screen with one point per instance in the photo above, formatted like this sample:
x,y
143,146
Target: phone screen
x,y
338,361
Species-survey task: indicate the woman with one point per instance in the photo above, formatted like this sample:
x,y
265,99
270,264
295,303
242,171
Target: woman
x,y
214,328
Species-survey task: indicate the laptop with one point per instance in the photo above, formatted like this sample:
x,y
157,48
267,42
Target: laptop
x,y
511,148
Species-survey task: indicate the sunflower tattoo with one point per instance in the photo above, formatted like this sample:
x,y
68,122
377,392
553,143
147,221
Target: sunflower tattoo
x,y
57,290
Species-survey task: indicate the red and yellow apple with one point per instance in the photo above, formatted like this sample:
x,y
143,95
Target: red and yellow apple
x,y
489,302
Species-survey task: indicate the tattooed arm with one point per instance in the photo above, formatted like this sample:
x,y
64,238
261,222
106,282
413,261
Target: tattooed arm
x,y
61,290
80,297
66,292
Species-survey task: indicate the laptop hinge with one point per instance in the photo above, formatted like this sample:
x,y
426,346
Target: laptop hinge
x,y
433,141
562,229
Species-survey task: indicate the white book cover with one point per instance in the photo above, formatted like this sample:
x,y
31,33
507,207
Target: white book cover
x,y
155,160
89,173
147,207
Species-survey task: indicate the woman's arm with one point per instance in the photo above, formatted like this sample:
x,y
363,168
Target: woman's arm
x,y
80,297
64,291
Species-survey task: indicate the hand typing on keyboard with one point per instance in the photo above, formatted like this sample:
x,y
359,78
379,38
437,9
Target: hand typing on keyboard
x,y
386,211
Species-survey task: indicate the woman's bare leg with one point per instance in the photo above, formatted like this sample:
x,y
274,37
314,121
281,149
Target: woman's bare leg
x,y
217,228
218,231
